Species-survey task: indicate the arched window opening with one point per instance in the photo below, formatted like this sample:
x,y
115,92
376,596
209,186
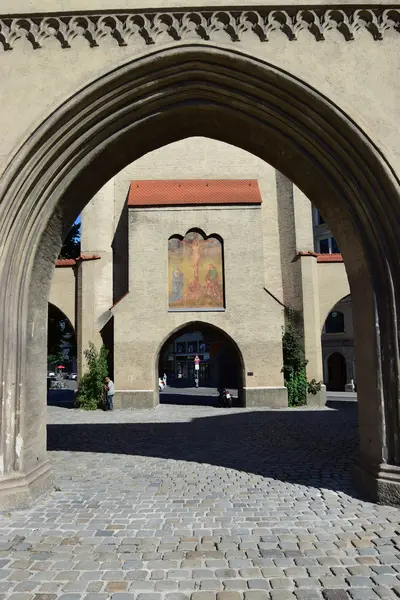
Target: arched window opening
x,y
195,272
334,322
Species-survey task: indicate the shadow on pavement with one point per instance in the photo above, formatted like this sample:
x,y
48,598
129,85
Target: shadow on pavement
x,y
62,398
193,400
313,448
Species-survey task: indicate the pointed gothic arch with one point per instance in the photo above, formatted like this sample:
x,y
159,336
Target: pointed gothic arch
x,y
147,103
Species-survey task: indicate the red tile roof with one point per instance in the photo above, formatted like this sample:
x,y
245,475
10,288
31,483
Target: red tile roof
x,y
71,262
65,262
183,192
321,258
329,258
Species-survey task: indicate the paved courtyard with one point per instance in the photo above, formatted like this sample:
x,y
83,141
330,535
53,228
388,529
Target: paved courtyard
x,y
194,502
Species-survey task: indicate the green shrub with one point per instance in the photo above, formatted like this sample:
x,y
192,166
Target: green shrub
x,y
91,386
313,387
294,366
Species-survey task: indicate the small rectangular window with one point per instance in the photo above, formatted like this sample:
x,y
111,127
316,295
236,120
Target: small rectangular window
x,y
192,347
324,246
335,247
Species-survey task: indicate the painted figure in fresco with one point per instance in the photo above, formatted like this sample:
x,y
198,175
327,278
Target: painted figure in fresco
x,y
196,246
177,285
213,287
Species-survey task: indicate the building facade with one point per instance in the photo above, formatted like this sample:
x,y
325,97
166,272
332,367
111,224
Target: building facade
x,y
91,87
255,232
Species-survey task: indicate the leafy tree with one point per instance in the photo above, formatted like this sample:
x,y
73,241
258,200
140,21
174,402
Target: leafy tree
x,y
294,366
91,386
54,359
71,247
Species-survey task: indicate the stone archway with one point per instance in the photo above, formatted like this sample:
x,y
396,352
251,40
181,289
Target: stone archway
x,y
221,361
147,103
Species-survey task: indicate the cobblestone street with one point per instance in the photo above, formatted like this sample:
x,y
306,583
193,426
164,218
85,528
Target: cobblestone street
x,y
195,502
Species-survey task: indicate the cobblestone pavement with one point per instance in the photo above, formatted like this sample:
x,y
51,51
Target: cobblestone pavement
x,y
199,503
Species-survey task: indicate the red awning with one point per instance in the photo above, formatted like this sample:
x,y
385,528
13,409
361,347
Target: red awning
x,y
181,192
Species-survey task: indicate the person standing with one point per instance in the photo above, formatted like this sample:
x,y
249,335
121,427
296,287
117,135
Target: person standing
x,y
110,393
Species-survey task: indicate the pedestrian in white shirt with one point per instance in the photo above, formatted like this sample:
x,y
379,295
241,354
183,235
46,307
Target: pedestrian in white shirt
x,y
110,393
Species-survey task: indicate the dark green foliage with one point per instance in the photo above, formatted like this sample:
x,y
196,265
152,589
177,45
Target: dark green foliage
x,y
91,386
294,366
313,387
71,247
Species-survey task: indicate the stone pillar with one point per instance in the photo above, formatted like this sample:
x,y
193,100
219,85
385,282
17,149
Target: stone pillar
x,y
311,320
87,330
95,277
304,237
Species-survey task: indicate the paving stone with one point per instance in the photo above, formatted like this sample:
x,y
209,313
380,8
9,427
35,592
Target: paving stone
x,y
363,594
164,586
177,520
235,584
203,596
384,592
359,581
333,582
277,583
229,596
334,594
210,585
258,584
307,582
308,594
388,580
282,595
116,586
256,595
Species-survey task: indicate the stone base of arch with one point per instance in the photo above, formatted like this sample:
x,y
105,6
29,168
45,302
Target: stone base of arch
x,y
135,399
20,490
267,397
380,483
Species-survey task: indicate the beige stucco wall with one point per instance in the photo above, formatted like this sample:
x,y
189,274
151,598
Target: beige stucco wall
x,y
62,291
361,77
285,228
142,321
333,285
202,158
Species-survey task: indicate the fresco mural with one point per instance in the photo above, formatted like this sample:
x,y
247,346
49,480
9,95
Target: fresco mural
x,y
195,273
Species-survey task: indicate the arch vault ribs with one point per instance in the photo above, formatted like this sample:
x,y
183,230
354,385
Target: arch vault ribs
x,y
128,27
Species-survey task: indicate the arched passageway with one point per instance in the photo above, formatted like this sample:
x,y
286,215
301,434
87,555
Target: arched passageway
x,y
337,376
338,348
61,340
220,365
147,103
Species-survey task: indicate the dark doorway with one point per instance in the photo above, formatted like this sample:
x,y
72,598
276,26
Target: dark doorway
x,y
336,372
219,361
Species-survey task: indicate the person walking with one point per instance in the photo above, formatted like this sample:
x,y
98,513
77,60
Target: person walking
x,y
110,393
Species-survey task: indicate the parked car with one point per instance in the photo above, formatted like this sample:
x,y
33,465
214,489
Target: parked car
x,y
74,376
51,374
